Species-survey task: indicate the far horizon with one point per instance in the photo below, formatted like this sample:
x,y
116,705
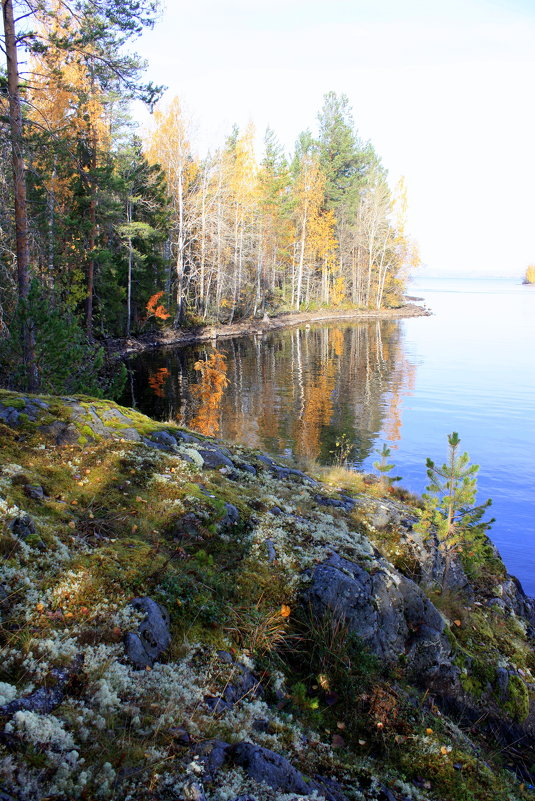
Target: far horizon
x,y
471,275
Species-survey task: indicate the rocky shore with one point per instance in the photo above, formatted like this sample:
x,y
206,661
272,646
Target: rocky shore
x,y
184,619
171,336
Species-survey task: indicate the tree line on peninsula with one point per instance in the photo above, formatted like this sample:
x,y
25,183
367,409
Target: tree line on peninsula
x,y
103,234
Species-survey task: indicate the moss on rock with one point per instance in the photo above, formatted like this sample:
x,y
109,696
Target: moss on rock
x,y
123,519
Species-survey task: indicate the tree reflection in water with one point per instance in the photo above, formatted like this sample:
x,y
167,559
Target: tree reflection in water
x,y
294,392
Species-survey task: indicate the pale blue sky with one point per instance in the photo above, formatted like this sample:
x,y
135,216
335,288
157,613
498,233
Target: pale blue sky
x,y
445,91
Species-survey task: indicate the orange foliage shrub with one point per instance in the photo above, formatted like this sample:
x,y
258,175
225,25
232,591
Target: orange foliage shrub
x,y
155,309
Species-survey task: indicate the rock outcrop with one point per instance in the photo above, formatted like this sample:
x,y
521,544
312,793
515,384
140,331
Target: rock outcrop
x,y
218,689
391,615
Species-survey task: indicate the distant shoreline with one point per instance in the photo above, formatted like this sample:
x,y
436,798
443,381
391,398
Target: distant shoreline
x,y
171,337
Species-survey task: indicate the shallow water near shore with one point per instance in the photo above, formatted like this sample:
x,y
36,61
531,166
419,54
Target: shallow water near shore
x,y
311,392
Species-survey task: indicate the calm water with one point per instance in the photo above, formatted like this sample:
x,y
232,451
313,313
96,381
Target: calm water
x,y
469,368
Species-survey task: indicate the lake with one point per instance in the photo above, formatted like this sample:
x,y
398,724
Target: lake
x,y
311,392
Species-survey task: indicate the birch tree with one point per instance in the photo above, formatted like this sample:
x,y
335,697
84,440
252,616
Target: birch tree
x,y
169,146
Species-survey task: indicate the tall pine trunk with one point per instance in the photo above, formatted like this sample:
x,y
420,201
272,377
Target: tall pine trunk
x,y
92,238
130,263
19,185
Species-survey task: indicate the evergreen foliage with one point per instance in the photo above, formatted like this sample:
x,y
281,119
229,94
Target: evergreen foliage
x,y
384,467
450,507
67,361
97,222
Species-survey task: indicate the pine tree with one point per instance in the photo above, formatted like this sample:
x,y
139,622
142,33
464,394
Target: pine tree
x,y
384,467
450,507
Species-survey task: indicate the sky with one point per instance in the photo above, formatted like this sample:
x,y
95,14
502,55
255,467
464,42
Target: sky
x,y
444,91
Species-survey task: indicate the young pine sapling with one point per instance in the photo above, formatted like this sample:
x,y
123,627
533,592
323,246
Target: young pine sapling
x,y
384,468
450,509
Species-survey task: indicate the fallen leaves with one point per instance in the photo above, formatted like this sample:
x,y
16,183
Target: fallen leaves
x,y
285,611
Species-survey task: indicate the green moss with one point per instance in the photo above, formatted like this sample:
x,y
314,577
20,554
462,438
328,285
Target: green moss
x,y
87,432
13,402
517,704
117,507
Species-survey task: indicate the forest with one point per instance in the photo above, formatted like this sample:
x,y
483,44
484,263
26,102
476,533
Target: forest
x,y
106,233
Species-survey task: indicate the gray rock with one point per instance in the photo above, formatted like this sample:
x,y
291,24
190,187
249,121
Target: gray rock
x,y
61,433
9,415
115,416
389,612
159,446
267,461
346,503
247,468
214,459
96,424
152,638
384,516
164,438
497,603
270,768
231,518
129,434
41,404
69,435
225,657
284,472
502,682
212,755
180,735
244,684
183,436
271,552
211,446
23,526
44,699
34,491
216,704
516,599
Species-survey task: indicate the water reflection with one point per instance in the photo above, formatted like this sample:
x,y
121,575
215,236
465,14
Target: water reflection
x,y
296,392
